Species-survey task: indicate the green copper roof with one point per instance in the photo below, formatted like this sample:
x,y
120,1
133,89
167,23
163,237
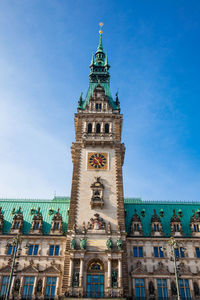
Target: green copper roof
x,y
149,206
99,75
27,204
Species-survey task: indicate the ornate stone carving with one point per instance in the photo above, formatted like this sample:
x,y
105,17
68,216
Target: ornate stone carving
x,y
175,224
97,194
57,224
96,223
136,225
17,223
37,223
156,225
195,224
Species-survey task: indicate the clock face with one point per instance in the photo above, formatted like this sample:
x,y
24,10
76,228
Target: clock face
x,y
97,161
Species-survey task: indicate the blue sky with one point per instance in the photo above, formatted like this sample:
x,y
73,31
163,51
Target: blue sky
x,y
153,48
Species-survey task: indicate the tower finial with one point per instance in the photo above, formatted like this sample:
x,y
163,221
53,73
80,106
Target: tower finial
x,y
101,25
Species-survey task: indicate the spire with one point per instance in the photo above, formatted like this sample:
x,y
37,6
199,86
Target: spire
x,y
100,46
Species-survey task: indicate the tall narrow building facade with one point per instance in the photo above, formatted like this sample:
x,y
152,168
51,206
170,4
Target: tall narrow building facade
x,y
96,216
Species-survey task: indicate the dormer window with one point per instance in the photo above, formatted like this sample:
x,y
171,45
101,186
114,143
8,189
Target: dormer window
x,y
156,225
17,223
97,194
57,224
136,225
195,224
98,106
37,223
176,228
175,224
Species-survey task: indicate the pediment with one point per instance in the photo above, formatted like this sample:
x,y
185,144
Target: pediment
x,y
5,269
30,269
161,269
184,270
139,269
53,269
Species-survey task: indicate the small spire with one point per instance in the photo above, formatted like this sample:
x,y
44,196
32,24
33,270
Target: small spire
x,y
92,60
100,46
106,60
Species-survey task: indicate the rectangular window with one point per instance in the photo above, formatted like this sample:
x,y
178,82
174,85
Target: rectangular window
x,y
197,252
162,289
139,288
158,252
137,251
179,252
4,285
28,287
184,289
33,250
54,250
11,249
182,252
50,287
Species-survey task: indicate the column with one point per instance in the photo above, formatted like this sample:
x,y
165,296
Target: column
x,y
109,272
71,267
93,127
119,272
81,272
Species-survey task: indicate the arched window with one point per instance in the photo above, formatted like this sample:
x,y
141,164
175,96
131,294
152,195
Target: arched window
x,y
98,128
106,128
89,128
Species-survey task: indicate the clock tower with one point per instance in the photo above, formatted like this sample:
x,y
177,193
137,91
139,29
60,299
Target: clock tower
x,y
95,257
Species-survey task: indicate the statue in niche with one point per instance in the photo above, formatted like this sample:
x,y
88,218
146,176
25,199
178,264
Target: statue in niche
x,y
76,279
17,285
173,288
73,244
151,288
196,289
39,286
114,279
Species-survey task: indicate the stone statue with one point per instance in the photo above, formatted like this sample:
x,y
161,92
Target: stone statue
x,y
114,278
83,243
17,285
109,227
39,286
151,288
119,244
109,244
73,244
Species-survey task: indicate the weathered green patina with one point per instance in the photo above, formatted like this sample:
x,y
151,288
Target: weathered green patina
x,y
99,75
29,206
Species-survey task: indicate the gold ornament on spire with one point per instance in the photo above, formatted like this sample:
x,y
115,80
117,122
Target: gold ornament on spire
x,y
101,25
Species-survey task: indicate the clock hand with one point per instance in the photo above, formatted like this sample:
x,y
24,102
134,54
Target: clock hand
x,y
97,161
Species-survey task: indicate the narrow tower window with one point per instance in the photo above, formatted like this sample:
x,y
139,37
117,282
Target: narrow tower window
x,y
98,128
106,128
89,128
